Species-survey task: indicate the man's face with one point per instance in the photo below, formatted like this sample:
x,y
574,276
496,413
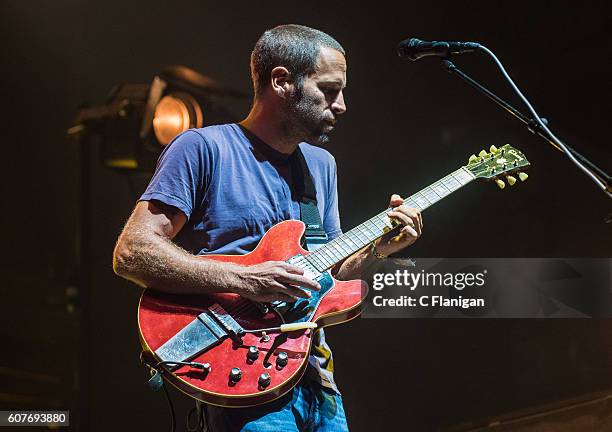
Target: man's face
x,y
313,108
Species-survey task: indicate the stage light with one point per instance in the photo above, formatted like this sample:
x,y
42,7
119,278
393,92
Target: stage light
x,y
174,114
139,120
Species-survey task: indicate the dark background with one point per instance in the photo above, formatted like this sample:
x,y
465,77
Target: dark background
x,y
407,125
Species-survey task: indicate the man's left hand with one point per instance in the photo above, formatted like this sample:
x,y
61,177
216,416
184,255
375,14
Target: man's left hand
x,y
412,226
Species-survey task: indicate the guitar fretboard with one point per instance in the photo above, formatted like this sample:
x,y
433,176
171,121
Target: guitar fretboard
x,y
350,242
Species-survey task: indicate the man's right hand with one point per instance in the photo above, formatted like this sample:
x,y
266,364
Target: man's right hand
x,y
273,280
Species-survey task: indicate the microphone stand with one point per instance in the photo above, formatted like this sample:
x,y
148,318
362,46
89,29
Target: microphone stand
x,y
531,124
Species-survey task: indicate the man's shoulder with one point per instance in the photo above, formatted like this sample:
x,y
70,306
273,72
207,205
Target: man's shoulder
x,y
215,133
317,155
212,141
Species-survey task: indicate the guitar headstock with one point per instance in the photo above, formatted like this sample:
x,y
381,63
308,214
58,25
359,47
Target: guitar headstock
x,y
499,164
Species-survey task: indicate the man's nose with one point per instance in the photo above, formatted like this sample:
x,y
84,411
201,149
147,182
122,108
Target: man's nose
x,y
338,106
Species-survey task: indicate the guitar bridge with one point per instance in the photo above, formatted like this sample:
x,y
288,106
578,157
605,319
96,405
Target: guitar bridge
x,y
226,320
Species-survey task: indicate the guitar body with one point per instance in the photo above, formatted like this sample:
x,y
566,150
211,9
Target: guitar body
x,y
161,316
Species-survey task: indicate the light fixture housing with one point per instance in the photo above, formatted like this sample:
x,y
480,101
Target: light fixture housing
x,y
139,120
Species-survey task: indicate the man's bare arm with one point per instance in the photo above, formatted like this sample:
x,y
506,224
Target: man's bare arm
x,y
146,255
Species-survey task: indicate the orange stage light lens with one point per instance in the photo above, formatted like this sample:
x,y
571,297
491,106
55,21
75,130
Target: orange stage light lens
x,y
174,114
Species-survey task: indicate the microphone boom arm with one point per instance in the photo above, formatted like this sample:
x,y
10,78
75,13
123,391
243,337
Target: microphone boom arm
x,y
532,124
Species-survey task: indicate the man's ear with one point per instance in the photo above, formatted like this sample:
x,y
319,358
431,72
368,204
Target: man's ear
x,y
280,80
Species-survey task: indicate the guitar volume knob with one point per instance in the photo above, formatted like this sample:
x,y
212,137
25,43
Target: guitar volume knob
x,y
264,380
281,359
253,353
235,375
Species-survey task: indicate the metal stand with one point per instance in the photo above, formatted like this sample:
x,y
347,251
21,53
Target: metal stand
x,y
531,124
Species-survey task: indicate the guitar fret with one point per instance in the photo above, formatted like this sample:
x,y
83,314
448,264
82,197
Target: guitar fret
x,y
358,240
348,242
326,256
340,246
355,240
435,192
354,236
420,200
365,226
441,189
431,195
410,202
322,259
381,224
354,233
318,254
451,183
331,251
314,263
368,229
338,251
364,234
462,176
376,229
423,194
317,259
311,262
386,222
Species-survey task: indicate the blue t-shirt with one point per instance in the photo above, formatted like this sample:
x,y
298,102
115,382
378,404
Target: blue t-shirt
x,y
233,188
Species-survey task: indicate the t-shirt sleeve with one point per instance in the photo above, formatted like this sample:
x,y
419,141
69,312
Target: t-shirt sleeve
x,y
181,176
331,219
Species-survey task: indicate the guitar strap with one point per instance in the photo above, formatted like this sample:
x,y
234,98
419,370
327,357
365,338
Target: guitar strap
x,y
314,235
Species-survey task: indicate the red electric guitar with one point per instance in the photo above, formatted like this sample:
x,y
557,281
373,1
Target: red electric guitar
x,y
226,350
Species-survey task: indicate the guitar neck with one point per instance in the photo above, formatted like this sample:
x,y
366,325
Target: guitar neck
x,y
350,242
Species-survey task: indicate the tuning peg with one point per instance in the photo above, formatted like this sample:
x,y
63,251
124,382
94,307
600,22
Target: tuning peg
x,y
493,149
500,183
523,176
482,153
511,180
473,158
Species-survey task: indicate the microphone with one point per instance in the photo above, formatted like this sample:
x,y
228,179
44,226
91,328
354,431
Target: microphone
x,y
414,49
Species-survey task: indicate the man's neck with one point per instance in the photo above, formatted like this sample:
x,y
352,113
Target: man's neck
x,y
267,125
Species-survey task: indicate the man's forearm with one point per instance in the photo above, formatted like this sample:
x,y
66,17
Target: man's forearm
x,y
155,262
357,264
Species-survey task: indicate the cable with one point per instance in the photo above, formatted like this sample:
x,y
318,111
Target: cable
x,y
171,363
198,425
204,417
537,119
171,407
159,370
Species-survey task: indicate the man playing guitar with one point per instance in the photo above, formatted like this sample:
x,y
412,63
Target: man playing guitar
x,y
218,189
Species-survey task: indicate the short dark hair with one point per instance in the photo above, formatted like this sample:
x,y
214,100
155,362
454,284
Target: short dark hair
x,y
292,46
